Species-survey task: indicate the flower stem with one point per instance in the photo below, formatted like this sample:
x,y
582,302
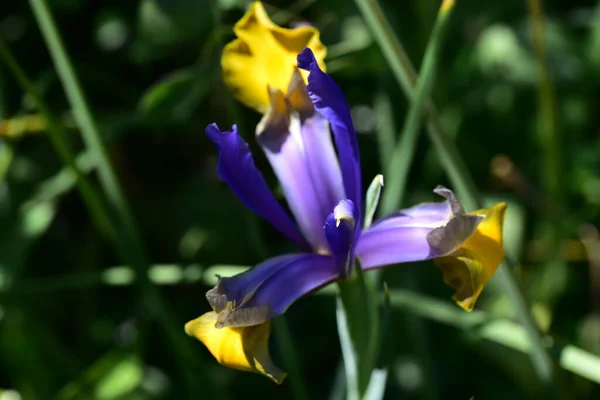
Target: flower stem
x,y
549,138
458,174
359,331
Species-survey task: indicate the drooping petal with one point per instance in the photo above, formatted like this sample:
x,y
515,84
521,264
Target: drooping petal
x,y
331,104
268,289
340,229
378,247
402,236
301,153
305,275
237,288
264,55
466,246
245,349
470,268
236,167
418,233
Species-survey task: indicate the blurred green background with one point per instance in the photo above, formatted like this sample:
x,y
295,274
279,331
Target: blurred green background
x,y
76,322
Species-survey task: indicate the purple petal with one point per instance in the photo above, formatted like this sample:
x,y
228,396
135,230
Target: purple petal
x,y
322,163
329,101
426,214
304,160
273,286
238,286
402,236
381,246
419,233
305,274
236,167
340,229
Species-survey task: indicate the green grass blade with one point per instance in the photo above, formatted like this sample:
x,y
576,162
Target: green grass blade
x,y
549,135
83,116
385,128
403,154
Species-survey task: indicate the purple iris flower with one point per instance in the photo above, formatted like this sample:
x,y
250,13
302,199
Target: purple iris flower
x,y
310,142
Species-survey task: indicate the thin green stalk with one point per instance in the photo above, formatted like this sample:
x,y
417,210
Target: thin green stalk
x,y
128,243
549,135
358,329
84,119
459,175
386,131
593,50
402,157
552,166
406,76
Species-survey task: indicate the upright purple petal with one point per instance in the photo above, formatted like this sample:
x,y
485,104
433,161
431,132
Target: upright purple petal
x,y
268,289
303,158
322,163
236,167
340,228
331,104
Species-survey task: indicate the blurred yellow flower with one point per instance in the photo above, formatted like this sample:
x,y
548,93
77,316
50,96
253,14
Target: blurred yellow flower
x,y
242,348
470,267
264,56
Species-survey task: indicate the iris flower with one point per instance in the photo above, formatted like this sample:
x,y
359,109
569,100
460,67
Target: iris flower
x,y
308,137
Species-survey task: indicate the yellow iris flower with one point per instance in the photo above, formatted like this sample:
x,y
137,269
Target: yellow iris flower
x,y
264,55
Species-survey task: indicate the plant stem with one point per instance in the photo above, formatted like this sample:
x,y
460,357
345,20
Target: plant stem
x,y
402,157
549,135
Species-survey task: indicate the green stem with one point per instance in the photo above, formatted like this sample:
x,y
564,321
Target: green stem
x,y
84,118
459,175
402,157
549,139
359,331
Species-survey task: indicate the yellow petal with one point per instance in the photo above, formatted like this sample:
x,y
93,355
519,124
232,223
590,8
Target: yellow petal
x,y
245,349
470,267
264,55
